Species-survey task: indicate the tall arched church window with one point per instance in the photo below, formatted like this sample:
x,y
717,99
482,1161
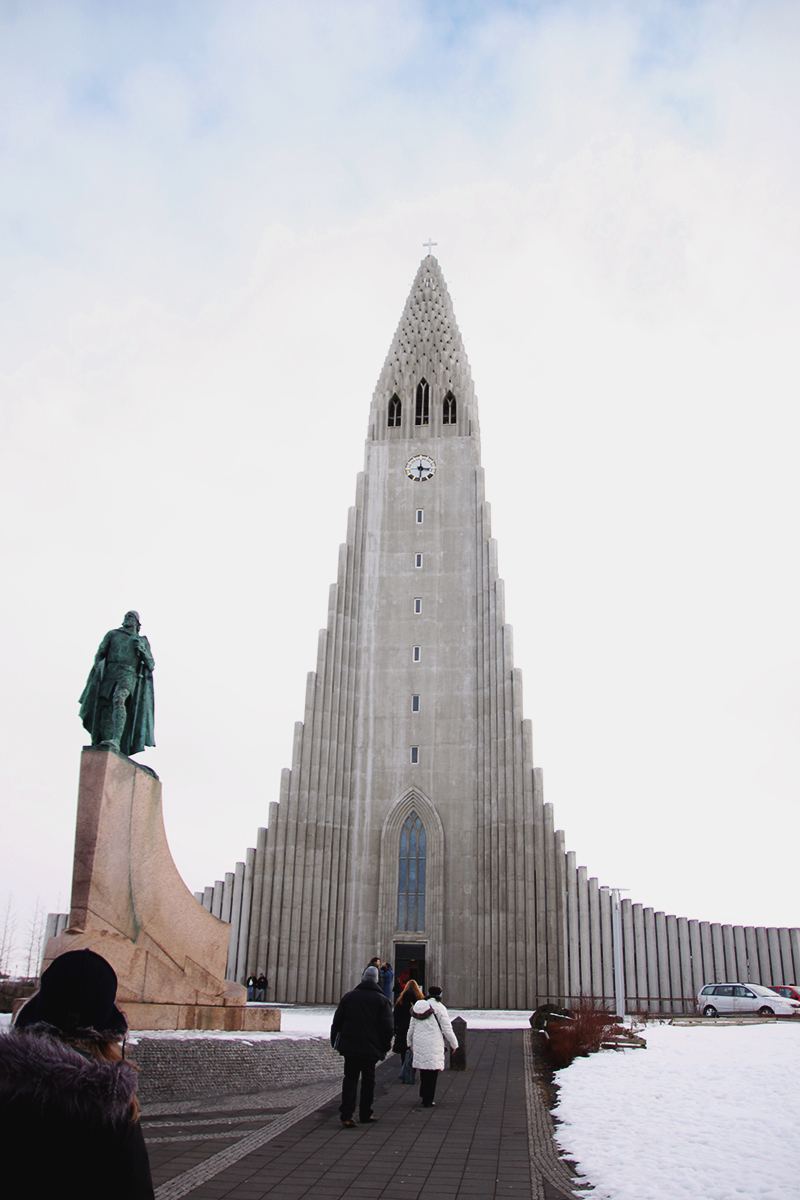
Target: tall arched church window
x,y
423,398
411,885
449,409
395,412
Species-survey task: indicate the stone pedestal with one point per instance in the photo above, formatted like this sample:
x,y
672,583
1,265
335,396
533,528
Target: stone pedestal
x,y
130,904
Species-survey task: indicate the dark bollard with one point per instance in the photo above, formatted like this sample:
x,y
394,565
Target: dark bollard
x,y
458,1059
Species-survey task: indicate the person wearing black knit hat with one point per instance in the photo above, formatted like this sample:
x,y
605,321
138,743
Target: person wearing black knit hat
x,y
69,1117
362,1033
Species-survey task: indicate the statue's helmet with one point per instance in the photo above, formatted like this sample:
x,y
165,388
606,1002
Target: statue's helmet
x,y
135,616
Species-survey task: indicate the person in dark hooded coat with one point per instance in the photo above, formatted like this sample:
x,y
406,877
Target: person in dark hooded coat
x,y
362,1032
69,1118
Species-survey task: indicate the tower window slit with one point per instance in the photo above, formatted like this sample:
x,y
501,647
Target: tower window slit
x,y
395,412
419,517
423,401
416,653
417,560
417,605
415,754
415,703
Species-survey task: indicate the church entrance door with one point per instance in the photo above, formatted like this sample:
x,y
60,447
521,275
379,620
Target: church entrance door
x,y
409,963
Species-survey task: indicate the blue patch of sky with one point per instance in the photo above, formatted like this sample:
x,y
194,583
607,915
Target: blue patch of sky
x,y
671,38
117,40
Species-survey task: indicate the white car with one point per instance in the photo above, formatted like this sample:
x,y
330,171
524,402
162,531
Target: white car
x,y
717,998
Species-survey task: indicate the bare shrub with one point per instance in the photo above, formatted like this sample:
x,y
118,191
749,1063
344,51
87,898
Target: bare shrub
x,y
580,1034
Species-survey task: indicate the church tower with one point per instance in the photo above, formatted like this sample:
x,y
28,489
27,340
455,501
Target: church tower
x,y
411,824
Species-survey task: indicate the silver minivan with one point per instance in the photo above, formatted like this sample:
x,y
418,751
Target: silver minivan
x,y
717,998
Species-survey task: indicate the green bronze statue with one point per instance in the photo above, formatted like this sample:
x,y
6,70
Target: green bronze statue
x,y
117,702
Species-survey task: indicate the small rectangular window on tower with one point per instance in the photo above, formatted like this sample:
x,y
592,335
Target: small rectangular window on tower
x,y
415,754
415,703
419,516
417,605
416,654
417,560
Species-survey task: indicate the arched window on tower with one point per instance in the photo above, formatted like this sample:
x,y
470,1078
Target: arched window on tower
x,y
411,887
449,409
423,396
395,412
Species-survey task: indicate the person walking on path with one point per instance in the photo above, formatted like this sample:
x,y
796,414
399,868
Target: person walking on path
x,y
252,984
69,1117
387,975
428,1032
261,984
402,1016
362,1033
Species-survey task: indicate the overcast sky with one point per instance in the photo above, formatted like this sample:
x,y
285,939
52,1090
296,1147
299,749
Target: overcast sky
x,y
212,214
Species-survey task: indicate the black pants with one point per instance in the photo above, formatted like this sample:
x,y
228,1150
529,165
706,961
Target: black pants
x,y
353,1068
427,1086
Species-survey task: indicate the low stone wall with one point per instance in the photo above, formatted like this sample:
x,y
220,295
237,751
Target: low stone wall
x,y
189,1068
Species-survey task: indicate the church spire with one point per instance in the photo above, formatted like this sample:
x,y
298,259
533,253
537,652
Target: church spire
x,y
426,350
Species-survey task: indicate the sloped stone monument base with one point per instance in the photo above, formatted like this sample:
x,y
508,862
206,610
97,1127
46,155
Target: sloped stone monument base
x,y
203,1016
130,904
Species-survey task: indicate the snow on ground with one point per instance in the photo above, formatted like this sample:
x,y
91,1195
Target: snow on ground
x,y
314,1020
704,1113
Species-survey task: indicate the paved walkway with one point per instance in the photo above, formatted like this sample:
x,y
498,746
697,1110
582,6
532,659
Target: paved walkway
x,y
488,1136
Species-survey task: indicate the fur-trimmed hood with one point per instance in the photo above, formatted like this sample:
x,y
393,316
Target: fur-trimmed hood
x,y
422,1010
40,1070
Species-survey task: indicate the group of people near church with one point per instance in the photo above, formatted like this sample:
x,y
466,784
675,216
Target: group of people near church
x,y
366,1027
68,1097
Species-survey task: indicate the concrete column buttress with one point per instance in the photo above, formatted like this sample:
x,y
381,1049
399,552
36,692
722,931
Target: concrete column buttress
x,y
662,947
764,964
754,967
585,933
573,932
696,951
243,967
607,947
629,954
674,955
776,968
653,1003
641,991
596,943
685,951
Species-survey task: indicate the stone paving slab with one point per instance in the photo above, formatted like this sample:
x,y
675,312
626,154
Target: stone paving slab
x,y
490,1135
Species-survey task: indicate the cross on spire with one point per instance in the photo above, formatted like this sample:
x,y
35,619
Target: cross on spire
x,y
429,244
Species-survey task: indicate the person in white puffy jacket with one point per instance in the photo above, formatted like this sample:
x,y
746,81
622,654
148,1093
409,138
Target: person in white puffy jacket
x,y
428,1032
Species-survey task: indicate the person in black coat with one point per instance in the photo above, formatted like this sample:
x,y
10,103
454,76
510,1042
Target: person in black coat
x,y
362,1033
69,1118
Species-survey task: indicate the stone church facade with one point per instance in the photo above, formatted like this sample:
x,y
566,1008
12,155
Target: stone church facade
x,y
412,822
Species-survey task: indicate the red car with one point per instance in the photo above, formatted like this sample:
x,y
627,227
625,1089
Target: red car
x,y
790,991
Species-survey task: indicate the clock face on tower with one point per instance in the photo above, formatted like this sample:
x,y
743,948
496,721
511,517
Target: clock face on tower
x,y
420,467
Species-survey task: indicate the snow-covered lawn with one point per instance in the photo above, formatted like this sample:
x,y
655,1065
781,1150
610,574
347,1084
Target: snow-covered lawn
x,y
704,1113
314,1020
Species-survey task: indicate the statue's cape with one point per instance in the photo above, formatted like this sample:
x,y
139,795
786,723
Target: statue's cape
x,y
140,732
90,695
139,727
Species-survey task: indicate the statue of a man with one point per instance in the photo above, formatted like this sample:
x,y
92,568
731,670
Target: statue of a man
x,y
117,702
